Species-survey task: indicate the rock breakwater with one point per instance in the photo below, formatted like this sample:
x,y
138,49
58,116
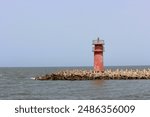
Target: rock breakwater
x,y
108,74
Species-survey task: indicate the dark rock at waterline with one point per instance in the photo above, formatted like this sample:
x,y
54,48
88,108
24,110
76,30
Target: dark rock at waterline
x,y
117,74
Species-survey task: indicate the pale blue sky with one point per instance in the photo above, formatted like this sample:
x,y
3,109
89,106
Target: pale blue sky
x,y
60,32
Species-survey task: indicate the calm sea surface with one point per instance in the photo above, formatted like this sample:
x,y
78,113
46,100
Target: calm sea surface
x,y
17,83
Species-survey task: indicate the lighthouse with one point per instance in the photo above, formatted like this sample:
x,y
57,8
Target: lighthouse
x,y
98,50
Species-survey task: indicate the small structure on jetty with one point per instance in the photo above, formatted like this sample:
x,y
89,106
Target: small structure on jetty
x,y
98,55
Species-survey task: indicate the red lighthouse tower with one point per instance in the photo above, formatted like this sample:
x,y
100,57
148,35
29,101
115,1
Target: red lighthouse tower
x,y
98,54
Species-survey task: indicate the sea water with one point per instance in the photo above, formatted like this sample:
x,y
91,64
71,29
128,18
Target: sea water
x,y
19,84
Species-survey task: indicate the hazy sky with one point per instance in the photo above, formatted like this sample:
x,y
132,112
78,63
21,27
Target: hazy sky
x,y
60,32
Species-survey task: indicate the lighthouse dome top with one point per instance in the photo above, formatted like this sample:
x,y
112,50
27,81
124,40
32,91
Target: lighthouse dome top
x,y
98,41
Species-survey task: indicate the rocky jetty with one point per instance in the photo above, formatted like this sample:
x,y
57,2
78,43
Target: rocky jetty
x,y
108,74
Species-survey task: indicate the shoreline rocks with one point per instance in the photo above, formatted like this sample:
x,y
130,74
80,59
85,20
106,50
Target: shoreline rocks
x,y
108,74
